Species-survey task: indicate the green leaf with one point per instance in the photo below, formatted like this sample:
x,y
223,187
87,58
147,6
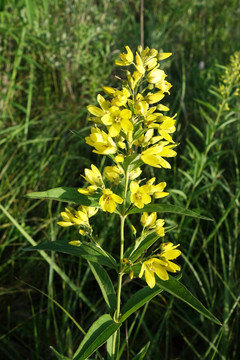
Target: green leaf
x,y
138,300
142,353
86,250
178,290
167,208
59,356
174,287
207,105
66,194
132,162
96,336
30,11
143,245
105,285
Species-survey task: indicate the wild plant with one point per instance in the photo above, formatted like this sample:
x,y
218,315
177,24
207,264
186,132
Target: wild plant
x,y
131,130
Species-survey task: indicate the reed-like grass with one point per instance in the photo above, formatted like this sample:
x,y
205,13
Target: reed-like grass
x,y
55,56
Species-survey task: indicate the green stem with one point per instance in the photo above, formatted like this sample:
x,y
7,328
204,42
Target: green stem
x,y
120,274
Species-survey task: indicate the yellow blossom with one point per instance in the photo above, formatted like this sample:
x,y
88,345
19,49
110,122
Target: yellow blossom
x,y
113,174
139,64
108,201
93,176
90,190
144,139
148,220
119,158
160,266
135,173
155,76
102,142
167,127
121,97
75,242
157,190
163,85
153,98
159,227
118,120
109,90
126,58
139,195
77,217
149,57
96,111
154,156
163,56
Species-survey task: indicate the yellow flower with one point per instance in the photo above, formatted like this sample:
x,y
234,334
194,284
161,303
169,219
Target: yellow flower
x,y
75,242
159,227
154,156
121,97
153,98
113,173
160,266
149,57
135,173
102,142
163,85
144,140
96,111
151,222
148,220
126,58
139,195
139,64
163,56
109,90
140,105
155,76
93,176
157,190
119,158
118,120
108,201
90,190
167,127
77,217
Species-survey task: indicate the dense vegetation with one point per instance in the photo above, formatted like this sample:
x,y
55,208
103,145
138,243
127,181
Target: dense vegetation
x,y
55,57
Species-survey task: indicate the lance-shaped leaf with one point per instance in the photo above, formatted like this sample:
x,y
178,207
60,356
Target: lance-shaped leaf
x,y
138,300
142,353
172,286
177,289
66,194
96,336
105,285
58,355
86,250
143,245
167,208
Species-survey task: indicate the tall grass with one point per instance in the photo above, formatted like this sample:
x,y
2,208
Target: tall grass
x,y
54,59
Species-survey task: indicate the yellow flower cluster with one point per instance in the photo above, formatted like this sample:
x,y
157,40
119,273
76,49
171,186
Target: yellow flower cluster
x,y
131,124
79,217
230,80
161,264
132,129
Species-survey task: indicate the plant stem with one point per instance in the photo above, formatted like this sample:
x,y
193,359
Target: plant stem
x,y
121,265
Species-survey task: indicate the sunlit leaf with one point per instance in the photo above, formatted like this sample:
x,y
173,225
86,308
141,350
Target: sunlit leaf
x,y
65,194
96,336
105,285
86,250
166,208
